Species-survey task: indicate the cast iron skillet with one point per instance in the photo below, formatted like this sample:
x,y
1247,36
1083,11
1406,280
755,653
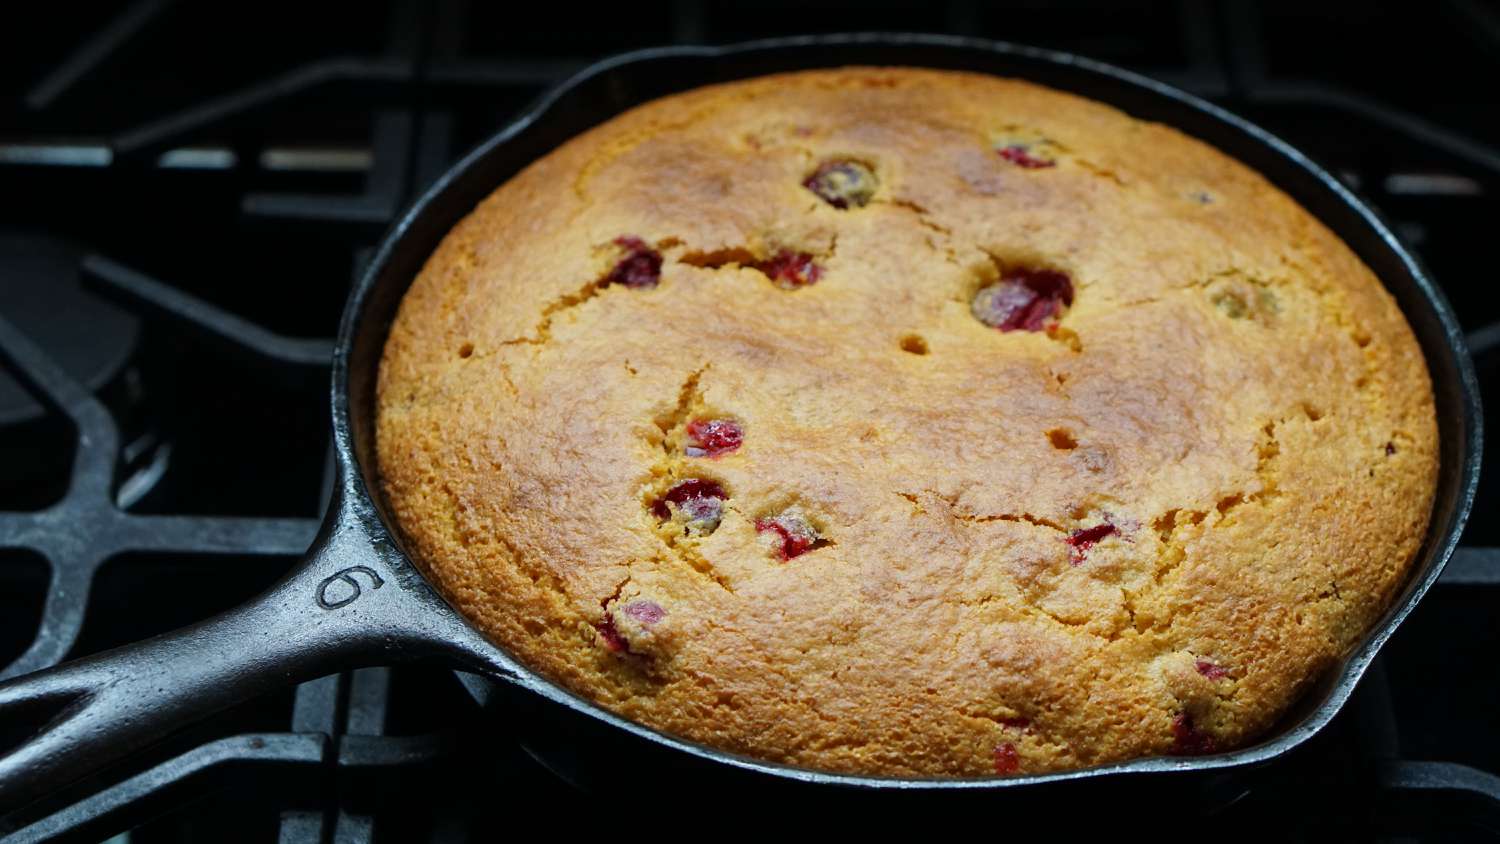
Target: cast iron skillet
x,y
356,599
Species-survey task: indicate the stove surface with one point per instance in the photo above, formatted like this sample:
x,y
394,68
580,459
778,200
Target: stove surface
x,y
190,189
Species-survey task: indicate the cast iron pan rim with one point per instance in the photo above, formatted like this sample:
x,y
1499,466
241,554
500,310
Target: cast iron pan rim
x,y
1355,664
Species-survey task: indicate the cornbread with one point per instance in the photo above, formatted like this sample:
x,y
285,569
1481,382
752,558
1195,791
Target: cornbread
x,y
895,421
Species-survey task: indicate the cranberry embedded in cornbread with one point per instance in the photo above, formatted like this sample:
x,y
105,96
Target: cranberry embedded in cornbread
x,y
1007,760
795,536
1209,670
1188,740
713,437
1022,156
646,612
1023,299
790,270
696,502
1081,540
843,183
640,267
613,641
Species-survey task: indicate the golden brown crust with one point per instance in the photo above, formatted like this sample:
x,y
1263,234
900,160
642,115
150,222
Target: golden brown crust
x,y
1223,389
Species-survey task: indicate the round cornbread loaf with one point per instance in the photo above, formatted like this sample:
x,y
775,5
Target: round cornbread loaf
x,y
897,421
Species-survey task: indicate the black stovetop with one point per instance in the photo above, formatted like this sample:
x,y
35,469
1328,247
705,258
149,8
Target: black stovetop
x,y
188,190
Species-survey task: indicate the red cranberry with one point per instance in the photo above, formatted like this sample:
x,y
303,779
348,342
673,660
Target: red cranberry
x,y
646,612
1007,760
696,502
613,641
843,183
790,270
795,536
1020,155
1188,740
1025,299
713,437
1390,448
639,268
1080,541
1015,723
1211,671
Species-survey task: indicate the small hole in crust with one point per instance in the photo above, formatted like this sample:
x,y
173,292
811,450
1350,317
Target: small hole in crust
x,y
914,343
1062,439
466,350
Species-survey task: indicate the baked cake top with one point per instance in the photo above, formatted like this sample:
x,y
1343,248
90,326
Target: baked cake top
x,y
899,421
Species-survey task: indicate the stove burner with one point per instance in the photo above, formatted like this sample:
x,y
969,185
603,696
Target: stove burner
x,y
93,341
41,292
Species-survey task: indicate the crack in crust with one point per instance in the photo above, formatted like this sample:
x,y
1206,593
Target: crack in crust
x,y
950,500
922,215
761,258
1025,518
688,396
543,331
1173,552
670,468
731,257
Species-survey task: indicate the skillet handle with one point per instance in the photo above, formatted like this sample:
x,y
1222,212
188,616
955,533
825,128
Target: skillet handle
x,y
351,602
